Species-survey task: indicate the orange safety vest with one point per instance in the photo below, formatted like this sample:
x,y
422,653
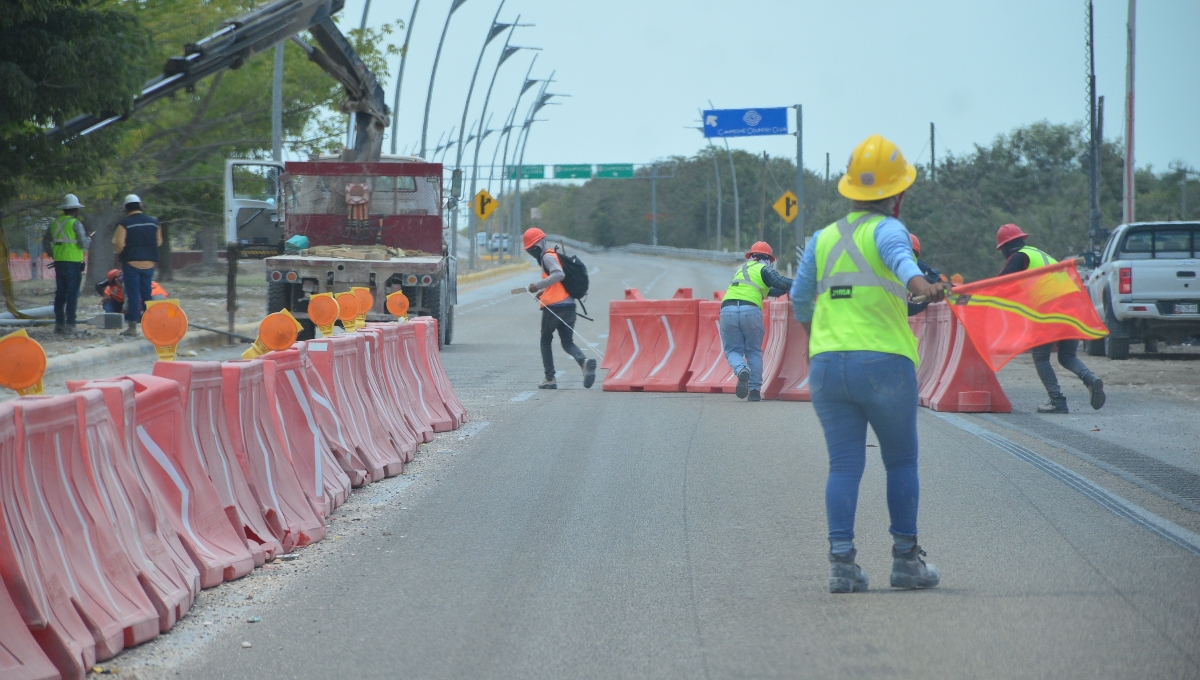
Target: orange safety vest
x,y
556,293
117,293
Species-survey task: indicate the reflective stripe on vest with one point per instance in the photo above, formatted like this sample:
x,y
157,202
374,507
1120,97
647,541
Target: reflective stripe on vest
x,y
66,249
556,293
1036,257
748,284
861,310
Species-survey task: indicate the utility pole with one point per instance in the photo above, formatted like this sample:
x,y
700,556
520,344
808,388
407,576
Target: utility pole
x,y
277,106
1127,213
400,76
654,205
762,203
737,206
932,156
800,231
1094,137
708,209
717,172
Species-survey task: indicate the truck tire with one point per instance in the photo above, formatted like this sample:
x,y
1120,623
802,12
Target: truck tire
x,y
278,296
1151,345
435,310
1095,348
449,325
1116,349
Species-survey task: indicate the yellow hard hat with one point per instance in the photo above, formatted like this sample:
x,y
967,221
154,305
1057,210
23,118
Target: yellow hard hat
x,y
877,170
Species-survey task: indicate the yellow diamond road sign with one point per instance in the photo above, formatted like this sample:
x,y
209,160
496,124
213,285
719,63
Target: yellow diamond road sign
x,y
484,204
787,206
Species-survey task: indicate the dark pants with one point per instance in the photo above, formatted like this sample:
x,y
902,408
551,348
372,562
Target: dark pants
x,y
564,323
111,306
1067,359
67,277
137,291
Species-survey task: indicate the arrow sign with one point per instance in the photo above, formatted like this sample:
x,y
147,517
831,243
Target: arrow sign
x,y
484,205
787,206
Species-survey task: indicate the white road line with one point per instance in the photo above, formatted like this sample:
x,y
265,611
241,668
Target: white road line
x,y
524,396
1119,506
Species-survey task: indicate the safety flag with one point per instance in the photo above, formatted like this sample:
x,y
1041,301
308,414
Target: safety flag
x,y
1011,314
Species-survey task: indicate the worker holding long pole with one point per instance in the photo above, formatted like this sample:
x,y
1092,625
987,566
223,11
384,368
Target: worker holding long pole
x,y
851,294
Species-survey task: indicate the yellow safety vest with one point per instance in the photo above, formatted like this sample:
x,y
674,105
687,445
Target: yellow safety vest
x,y
861,305
1036,257
748,284
66,249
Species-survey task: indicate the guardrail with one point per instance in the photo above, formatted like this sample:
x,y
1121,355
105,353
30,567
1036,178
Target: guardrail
x,y
642,249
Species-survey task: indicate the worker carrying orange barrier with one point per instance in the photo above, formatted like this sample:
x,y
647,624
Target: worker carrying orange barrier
x,y
650,343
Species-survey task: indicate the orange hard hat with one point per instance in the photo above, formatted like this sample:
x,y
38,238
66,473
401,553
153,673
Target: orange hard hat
x,y
916,244
532,236
113,274
761,248
1008,232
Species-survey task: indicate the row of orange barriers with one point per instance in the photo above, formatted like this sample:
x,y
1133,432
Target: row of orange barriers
x,y
23,269
120,501
675,346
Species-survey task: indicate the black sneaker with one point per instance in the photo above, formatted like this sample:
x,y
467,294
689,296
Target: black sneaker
x,y
743,383
754,396
1055,406
60,329
845,576
910,571
589,373
1096,391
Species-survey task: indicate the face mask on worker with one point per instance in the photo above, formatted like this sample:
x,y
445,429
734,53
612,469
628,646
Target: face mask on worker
x,y
535,252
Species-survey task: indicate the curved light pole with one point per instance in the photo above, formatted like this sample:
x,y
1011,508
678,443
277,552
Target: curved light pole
x,y
506,132
737,206
400,76
455,4
515,209
542,100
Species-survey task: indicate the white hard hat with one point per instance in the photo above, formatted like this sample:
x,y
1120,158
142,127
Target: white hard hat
x,y
69,202
131,198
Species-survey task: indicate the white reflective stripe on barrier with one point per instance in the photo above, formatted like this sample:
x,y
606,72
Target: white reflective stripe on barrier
x,y
670,348
720,356
160,457
87,535
62,554
262,447
636,350
312,428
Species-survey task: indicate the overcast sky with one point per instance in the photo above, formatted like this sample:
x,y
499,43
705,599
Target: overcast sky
x,y
638,71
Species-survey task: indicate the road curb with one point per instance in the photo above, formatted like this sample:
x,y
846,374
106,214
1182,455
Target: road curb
x,y
128,350
489,274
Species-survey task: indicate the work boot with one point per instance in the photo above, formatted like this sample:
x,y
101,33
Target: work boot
x,y
910,571
754,396
1056,405
548,384
589,373
60,329
131,330
845,576
1096,391
743,383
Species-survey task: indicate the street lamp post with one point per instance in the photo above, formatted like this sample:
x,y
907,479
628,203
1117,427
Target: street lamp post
x,y
542,99
737,205
506,132
455,4
400,76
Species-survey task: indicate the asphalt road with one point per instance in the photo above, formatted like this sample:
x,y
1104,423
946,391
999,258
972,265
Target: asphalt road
x,y
583,534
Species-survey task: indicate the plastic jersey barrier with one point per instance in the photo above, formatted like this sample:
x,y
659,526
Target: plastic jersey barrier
x,y
336,433
35,577
940,329
787,379
251,420
650,343
20,656
709,368
433,357
968,384
379,397
925,329
611,359
350,358
64,495
169,578
204,403
421,381
404,396
287,386
172,465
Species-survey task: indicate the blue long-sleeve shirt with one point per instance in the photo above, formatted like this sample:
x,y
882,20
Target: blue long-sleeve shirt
x,y
894,245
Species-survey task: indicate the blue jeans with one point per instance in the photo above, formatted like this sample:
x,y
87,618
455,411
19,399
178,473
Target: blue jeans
x,y
67,277
849,391
742,338
137,291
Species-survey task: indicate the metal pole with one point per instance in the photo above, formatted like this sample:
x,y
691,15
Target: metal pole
x,y
707,211
762,201
932,155
717,172
455,4
533,109
1093,137
737,205
507,133
400,76
1128,212
654,205
799,228
277,106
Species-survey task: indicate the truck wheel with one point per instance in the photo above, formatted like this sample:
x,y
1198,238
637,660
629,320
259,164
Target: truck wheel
x,y
449,325
1151,345
1116,348
435,310
278,296
1095,348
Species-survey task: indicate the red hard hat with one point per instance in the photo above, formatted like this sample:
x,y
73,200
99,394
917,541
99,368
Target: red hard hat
x,y
761,248
532,236
1008,233
113,274
916,244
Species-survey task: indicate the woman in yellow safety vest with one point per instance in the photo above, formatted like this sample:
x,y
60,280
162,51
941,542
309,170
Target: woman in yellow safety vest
x,y
851,292
741,325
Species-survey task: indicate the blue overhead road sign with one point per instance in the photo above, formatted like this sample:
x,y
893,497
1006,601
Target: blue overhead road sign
x,y
745,122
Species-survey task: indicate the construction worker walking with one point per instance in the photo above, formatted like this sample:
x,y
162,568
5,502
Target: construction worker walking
x,y
68,239
742,320
558,311
136,241
1010,241
859,272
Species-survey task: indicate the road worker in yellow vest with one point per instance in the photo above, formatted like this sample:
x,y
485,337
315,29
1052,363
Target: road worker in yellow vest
x,y
741,324
851,291
68,241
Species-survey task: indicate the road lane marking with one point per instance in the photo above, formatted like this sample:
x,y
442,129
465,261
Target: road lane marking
x,y
472,429
1119,506
523,396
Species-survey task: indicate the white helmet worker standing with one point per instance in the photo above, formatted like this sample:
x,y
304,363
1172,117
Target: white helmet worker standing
x,y
136,241
851,292
67,242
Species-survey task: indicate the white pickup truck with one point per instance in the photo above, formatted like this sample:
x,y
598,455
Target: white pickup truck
x,y
1146,286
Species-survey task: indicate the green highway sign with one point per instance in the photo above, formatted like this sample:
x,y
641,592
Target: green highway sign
x,y
615,171
572,172
527,172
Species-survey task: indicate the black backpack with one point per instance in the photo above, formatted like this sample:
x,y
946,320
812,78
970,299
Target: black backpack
x,y
576,280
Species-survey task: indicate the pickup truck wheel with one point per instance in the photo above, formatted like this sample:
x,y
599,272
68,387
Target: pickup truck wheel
x,y
1116,348
1151,345
1095,348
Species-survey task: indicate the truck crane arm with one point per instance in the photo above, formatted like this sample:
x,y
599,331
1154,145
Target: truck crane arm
x,y
256,31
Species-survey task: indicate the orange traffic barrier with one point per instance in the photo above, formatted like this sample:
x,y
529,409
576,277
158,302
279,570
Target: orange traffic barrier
x,y
940,331
258,447
63,493
22,363
366,302
172,467
611,360
319,471
968,384
323,311
336,435
34,574
352,356
387,406
924,326
404,395
347,310
421,381
427,326
397,304
169,578
21,658
334,359
276,332
650,343
785,364
204,404
164,324
710,370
